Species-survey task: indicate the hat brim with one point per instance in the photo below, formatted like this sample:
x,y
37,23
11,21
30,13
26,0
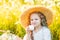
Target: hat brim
x,y
24,19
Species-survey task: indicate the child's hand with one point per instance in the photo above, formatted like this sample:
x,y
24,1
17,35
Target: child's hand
x,y
29,29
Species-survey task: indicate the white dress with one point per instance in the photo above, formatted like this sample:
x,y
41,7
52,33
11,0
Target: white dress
x,y
42,34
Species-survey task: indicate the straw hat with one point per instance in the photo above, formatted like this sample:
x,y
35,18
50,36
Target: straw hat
x,y
24,19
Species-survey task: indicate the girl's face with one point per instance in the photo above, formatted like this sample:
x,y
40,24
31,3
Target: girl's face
x,y
35,20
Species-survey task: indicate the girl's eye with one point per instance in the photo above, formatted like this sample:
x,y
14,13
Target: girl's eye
x,y
31,19
36,19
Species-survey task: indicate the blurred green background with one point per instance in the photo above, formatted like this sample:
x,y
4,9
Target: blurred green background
x,y
10,11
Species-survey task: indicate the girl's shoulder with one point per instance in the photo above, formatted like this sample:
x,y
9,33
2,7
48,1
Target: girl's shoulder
x,y
46,30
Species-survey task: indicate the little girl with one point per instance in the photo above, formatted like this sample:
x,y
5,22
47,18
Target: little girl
x,y
37,29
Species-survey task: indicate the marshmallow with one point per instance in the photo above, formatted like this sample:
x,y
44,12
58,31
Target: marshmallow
x,y
31,27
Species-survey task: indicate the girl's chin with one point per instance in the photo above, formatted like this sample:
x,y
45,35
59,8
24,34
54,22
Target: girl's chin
x,y
34,25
